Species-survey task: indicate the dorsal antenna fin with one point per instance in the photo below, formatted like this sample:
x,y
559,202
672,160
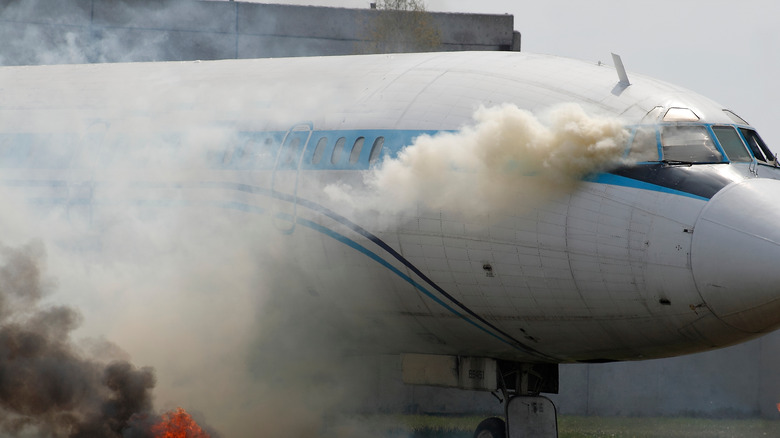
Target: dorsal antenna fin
x,y
621,70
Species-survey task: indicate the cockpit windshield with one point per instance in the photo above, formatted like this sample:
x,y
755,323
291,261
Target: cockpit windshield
x,y
732,143
698,143
689,143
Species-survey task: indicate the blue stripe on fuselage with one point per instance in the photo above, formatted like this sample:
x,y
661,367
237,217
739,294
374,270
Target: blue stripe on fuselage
x,y
277,150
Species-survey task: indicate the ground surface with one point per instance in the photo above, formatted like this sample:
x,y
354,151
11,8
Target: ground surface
x,y
418,426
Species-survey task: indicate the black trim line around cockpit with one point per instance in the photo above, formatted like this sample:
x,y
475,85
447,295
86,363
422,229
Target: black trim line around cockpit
x,y
696,180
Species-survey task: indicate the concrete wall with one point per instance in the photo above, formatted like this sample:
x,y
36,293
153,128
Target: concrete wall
x,y
742,381
737,382
78,31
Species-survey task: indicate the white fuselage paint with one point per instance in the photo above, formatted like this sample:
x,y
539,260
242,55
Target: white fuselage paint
x,y
610,271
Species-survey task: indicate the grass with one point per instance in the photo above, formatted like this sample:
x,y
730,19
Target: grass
x,y
428,426
592,427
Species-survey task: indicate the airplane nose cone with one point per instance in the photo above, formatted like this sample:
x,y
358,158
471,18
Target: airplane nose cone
x,y
735,255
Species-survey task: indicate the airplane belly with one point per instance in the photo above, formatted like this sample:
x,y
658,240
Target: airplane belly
x,y
573,276
603,274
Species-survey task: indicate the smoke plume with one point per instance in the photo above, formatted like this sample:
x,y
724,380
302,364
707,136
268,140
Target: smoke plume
x,y
508,162
47,382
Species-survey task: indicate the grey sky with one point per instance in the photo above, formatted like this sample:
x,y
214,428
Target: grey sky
x,y
724,50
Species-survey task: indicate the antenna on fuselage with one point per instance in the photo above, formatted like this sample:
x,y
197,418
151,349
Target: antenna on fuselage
x,y
621,71
621,86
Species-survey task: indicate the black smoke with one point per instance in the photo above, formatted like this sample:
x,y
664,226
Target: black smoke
x,y
48,384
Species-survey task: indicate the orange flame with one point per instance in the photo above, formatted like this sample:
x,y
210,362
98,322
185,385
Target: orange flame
x,y
778,407
178,424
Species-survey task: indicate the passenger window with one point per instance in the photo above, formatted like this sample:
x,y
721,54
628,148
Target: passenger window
x,y
336,157
319,151
227,157
689,144
241,156
251,151
266,151
354,156
732,143
239,153
376,149
644,146
757,146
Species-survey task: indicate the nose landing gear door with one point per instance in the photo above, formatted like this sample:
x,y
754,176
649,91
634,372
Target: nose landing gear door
x,y
284,180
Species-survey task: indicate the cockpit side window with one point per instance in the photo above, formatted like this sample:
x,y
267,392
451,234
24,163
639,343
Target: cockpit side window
x,y
732,143
689,143
644,145
757,146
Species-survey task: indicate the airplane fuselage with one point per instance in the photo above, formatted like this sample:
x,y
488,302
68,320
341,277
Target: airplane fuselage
x,y
668,254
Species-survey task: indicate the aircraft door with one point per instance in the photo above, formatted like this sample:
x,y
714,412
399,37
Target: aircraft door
x,y
284,180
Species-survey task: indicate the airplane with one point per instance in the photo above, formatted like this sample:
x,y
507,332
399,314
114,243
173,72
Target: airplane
x,y
667,249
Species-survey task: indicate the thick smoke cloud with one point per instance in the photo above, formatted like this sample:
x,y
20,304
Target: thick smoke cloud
x,y
212,298
48,383
508,162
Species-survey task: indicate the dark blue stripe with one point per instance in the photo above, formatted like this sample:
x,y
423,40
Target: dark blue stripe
x,y
372,255
379,242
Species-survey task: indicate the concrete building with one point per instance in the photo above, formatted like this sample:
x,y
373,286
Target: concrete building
x,y
78,31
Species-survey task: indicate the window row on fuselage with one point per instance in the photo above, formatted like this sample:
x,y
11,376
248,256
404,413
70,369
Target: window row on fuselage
x,y
242,150
315,150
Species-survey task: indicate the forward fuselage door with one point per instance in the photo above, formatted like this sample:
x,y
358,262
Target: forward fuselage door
x,y
284,180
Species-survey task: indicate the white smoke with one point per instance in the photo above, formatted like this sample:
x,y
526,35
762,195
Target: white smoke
x,y
214,299
211,298
508,162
